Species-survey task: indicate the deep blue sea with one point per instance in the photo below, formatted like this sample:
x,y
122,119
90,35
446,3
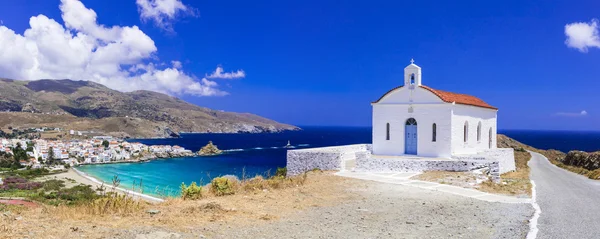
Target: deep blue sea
x,y
252,154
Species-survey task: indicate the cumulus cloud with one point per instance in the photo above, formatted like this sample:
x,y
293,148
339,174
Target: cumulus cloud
x,y
582,35
120,57
163,12
573,114
219,73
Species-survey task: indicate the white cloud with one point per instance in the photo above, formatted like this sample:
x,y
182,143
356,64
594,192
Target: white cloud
x,y
573,114
219,73
119,57
582,35
163,12
176,64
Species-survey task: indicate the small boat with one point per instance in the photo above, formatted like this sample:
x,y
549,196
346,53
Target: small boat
x,y
288,146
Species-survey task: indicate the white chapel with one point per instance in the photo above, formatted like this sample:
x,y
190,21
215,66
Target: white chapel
x,y
414,119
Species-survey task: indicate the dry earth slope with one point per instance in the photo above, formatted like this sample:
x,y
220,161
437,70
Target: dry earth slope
x,y
85,105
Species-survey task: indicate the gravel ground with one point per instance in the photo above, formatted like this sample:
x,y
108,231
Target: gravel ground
x,y
385,211
366,210
393,211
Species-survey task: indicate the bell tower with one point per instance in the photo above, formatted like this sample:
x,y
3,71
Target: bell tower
x,y
412,74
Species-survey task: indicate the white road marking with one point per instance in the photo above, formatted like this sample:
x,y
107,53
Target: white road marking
x,y
533,229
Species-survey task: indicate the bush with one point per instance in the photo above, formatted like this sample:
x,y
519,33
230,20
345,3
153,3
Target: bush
x,y
192,192
79,193
222,186
30,173
53,185
281,172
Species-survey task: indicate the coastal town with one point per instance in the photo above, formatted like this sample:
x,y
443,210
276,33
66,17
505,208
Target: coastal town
x,y
96,150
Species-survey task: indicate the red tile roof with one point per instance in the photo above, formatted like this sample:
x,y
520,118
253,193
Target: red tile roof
x,y
450,97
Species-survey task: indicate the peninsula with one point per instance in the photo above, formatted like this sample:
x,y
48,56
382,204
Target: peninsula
x,y
94,109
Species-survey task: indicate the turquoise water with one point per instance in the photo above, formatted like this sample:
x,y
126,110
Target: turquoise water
x,y
163,177
252,154
247,155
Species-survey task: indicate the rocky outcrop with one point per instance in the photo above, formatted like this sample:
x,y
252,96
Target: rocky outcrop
x,y
209,150
589,161
29,108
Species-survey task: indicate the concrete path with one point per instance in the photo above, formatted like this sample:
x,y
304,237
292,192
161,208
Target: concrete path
x,y
404,179
569,202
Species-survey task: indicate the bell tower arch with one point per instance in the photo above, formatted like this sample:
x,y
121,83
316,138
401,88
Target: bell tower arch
x,y
412,74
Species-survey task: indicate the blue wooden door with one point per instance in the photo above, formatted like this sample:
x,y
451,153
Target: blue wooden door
x,y
410,137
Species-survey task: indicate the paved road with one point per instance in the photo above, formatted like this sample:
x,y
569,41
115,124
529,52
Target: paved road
x,y
569,203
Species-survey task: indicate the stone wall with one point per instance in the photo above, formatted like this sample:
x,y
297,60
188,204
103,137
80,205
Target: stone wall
x,y
366,162
504,156
326,158
334,158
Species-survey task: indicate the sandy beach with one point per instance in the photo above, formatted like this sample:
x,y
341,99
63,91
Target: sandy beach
x,y
79,177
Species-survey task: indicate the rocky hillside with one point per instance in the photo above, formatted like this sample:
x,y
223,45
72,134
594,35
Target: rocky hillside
x,y
589,161
584,163
85,105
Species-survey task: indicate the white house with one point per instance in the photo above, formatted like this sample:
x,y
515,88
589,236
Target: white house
x,y
415,119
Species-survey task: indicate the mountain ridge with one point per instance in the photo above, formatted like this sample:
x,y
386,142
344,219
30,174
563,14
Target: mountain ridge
x,y
145,113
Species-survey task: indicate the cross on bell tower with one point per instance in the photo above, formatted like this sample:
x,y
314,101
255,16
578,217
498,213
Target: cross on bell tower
x,y
412,74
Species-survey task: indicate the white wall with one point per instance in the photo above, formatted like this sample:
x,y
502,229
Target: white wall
x,y
326,158
427,109
473,115
402,96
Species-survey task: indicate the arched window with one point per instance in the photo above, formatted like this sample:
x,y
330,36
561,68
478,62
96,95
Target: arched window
x,y
434,132
479,132
490,139
412,78
387,131
466,131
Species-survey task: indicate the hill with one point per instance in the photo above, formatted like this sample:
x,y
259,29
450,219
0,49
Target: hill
x,y
85,105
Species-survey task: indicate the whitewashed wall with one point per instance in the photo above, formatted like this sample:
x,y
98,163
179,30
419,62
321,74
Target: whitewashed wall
x,y
473,115
427,110
326,158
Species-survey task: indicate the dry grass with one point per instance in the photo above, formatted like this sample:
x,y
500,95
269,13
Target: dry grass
x,y
257,201
513,183
115,204
223,186
52,135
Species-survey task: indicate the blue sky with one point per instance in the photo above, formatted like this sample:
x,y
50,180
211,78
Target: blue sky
x,y
323,62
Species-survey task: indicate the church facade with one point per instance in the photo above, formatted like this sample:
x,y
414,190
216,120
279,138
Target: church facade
x,y
417,120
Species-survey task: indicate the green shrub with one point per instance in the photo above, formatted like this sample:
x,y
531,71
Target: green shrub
x,y
29,173
53,185
76,194
520,149
222,186
281,172
192,192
